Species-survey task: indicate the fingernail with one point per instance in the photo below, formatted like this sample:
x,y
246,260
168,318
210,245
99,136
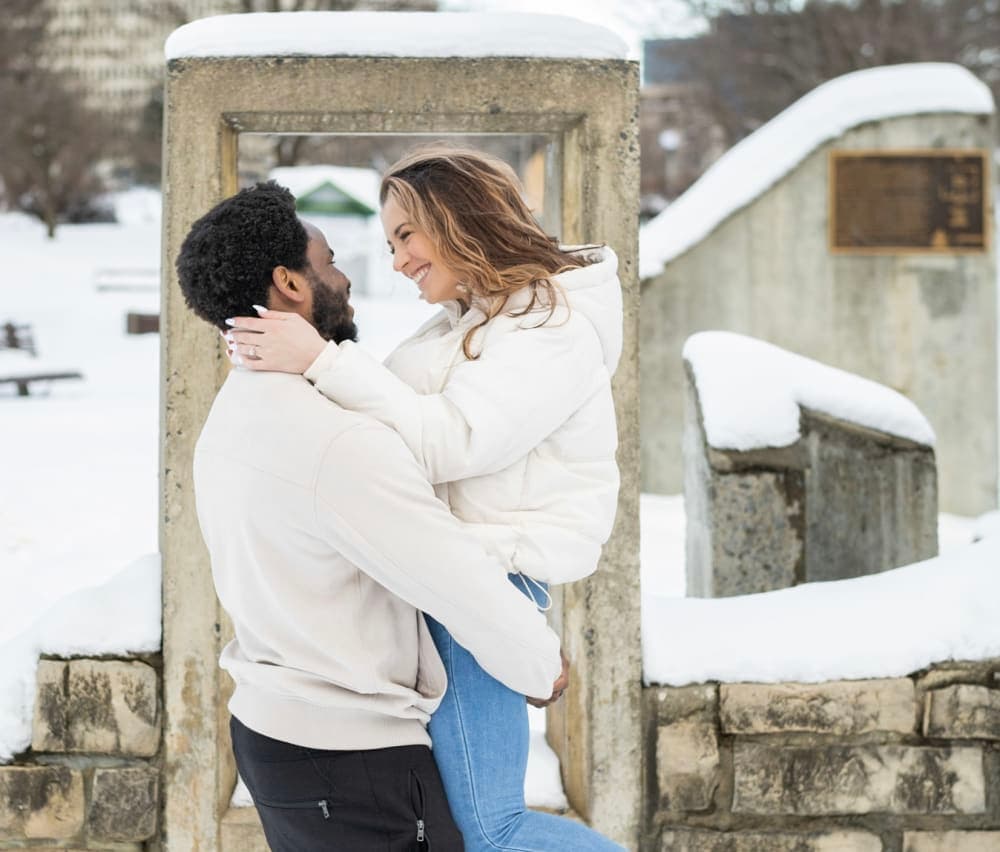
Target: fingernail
x,y
230,322
229,337
258,309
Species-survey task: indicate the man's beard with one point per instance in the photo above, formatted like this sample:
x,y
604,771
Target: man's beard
x,y
331,313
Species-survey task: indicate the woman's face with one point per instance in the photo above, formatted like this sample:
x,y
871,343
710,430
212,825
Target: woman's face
x,y
416,257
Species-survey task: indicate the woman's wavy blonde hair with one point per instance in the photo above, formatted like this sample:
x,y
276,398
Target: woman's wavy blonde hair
x,y
470,206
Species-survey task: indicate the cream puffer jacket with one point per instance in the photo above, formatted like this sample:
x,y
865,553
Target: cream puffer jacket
x,y
521,441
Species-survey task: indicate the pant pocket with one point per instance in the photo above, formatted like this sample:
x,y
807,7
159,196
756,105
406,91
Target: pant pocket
x,y
417,801
322,805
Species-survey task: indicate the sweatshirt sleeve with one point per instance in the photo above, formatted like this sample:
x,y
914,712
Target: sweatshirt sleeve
x,y
491,412
377,509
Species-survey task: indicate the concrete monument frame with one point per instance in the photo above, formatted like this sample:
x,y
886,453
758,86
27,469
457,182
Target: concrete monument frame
x,y
588,107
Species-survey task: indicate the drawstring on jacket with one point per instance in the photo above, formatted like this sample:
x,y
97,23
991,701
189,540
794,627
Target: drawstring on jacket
x,y
525,579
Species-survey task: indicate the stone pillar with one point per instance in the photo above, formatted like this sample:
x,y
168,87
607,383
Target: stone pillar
x,y
588,108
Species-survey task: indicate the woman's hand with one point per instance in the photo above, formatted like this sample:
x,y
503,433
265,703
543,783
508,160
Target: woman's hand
x,y
558,688
276,341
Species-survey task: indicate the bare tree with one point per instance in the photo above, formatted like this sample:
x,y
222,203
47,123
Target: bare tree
x,y
759,56
49,141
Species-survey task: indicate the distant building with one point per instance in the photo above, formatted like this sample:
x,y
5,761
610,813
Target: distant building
x,y
115,47
343,202
678,136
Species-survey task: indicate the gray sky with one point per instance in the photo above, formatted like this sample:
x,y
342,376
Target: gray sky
x,y
632,20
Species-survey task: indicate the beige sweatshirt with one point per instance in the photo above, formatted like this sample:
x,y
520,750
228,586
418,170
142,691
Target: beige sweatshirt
x,y
326,542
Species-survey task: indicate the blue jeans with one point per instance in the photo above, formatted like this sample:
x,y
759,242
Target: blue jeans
x,y
480,735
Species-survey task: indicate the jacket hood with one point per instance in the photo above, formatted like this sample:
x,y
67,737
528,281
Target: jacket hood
x,y
596,293
593,290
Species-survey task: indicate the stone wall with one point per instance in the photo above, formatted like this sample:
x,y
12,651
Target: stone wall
x,y
923,324
91,778
843,501
897,765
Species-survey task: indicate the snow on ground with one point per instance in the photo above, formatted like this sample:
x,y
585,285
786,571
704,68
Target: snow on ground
x,y
750,392
763,158
432,34
882,625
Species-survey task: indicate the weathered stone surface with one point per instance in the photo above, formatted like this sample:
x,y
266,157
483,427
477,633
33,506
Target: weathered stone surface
x,y
687,766
951,841
44,802
104,847
687,749
841,707
751,537
963,712
951,673
687,840
124,803
104,706
240,831
670,704
858,780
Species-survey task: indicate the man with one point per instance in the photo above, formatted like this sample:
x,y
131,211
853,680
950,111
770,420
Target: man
x,y
326,543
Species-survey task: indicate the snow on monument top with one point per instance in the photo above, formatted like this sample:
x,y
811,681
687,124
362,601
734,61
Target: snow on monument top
x,y
751,391
760,160
399,34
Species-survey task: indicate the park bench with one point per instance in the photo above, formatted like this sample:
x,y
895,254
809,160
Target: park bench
x,y
14,336
125,280
22,375
131,280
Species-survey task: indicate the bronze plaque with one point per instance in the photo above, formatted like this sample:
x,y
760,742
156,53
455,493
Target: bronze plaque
x,y
930,201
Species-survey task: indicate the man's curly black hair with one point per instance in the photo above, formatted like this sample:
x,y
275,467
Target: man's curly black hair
x,y
226,260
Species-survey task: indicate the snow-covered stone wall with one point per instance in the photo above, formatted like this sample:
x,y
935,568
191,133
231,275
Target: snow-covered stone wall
x,y
91,777
796,472
746,249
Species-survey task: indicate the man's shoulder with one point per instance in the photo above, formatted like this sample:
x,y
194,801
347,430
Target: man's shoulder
x,y
276,422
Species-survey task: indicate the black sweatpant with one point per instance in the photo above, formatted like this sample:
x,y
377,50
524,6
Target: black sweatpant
x,y
313,800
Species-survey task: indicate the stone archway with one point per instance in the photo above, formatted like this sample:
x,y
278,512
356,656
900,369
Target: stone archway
x,y
583,95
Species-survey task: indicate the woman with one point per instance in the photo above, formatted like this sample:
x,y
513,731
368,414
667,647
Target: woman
x,y
505,398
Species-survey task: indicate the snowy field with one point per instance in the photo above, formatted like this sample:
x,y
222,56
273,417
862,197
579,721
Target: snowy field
x,y
78,511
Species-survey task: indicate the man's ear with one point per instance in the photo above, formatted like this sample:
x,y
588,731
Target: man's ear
x,y
290,285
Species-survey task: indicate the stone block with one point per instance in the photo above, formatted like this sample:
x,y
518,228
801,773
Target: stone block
x,y
841,708
687,766
670,704
240,831
44,802
103,706
951,841
858,780
695,840
124,804
951,673
963,712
